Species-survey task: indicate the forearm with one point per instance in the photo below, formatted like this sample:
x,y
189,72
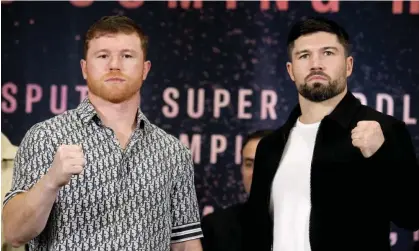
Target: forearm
x,y
26,214
192,245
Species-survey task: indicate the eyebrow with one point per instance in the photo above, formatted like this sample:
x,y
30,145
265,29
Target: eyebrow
x,y
330,48
248,159
124,50
129,50
323,48
100,51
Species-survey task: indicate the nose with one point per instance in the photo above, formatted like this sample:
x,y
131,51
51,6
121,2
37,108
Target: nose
x,y
316,63
115,63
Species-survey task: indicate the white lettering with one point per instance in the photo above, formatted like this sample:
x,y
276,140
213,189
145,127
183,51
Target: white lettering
x,y
170,110
191,101
242,104
238,153
406,111
218,145
267,104
381,97
221,99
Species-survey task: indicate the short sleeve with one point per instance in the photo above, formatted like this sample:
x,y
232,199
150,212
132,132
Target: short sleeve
x,y
32,160
186,223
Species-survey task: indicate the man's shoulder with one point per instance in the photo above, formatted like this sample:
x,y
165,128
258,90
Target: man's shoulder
x,y
386,121
63,119
52,126
272,138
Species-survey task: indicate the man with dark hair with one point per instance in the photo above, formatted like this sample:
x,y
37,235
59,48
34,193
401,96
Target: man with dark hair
x,y
337,172
223,229
101,176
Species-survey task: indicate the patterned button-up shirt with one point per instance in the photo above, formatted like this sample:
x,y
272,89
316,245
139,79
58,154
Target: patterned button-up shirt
x,y
140,198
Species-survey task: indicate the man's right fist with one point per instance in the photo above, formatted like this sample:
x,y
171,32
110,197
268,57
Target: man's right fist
x,y
68,160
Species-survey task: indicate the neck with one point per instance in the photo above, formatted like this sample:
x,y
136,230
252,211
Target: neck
x,y
312,112
119,117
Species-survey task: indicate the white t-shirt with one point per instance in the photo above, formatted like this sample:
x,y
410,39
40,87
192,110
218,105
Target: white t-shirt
x,y
290,197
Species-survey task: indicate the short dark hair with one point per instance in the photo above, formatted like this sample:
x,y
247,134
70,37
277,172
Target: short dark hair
x,y
317,24
256,135
112,25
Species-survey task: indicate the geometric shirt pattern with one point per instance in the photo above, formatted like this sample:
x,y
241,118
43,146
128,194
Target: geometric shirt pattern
x,y
139,198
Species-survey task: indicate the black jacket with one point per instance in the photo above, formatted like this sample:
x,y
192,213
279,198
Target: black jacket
x,y
223,229
353,198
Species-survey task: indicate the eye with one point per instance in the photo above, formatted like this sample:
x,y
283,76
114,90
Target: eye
x,y
328,53
248,164
102,56
127,56
303,56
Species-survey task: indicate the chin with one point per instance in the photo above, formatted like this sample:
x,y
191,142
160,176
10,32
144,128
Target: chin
x,y
120,97
318,83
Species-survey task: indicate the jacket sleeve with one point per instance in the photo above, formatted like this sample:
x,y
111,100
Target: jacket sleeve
x,y
398,151
208,232
257,234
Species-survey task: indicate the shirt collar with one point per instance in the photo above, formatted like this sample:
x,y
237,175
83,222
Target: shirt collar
x,y
87,113
342,114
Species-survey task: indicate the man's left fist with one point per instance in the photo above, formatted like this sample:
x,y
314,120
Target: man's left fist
x,y
368,137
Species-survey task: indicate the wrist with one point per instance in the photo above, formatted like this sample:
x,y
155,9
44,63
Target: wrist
x,y
49,183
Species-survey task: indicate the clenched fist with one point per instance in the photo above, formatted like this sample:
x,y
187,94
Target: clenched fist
x,y
68,160
368,137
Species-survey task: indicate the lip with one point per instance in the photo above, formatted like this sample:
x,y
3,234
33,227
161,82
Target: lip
x,y
317,77
115,79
